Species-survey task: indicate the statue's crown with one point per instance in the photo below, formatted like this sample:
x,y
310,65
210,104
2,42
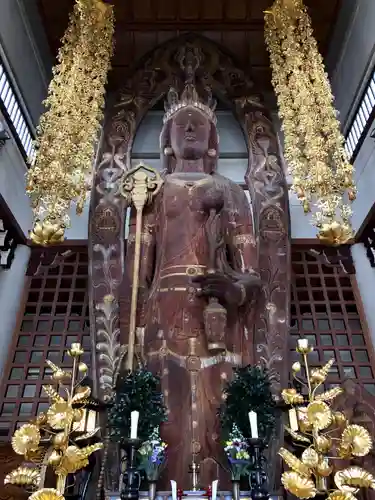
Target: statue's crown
x,y
189,61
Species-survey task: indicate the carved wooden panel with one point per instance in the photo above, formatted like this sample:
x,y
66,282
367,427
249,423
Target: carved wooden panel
x,y
325,311
236,25
55,315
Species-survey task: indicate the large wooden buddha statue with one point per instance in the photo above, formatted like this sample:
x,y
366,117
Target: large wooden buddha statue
x,y
198,284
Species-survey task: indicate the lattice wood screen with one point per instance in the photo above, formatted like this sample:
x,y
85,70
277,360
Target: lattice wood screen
x,y
325,311
56,314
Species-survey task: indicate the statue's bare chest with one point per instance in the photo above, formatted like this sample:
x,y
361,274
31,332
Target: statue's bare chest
x,y
187,193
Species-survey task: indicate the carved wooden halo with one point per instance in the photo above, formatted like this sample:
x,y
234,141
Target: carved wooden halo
x,y
156,72
152,78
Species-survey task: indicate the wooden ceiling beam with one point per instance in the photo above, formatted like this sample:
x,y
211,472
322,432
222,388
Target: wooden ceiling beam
x,y
196,25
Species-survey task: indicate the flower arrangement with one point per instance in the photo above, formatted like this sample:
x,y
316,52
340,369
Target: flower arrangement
x,y
237,454
137,390
249,390
153,456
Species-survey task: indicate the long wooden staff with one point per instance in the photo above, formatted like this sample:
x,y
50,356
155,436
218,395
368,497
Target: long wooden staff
x,y
140,185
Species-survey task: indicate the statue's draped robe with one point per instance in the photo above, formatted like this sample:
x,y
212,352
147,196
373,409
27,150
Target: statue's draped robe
x,y
175,249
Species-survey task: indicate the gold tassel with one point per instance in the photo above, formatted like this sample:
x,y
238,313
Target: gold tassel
x,y
314,145
68,130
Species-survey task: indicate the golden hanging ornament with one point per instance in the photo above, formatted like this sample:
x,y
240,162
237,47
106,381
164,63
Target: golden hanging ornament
x,y
314,145
68,130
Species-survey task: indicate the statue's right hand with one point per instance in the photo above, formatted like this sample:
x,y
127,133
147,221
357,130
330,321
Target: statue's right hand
x,y
221,287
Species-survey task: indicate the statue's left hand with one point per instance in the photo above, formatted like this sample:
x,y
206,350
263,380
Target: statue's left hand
x,y
221,287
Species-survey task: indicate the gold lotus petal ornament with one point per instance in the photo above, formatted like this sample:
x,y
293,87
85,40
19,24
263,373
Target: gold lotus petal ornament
x,y
296,367
60,415
53,394
329,395
81,394
303,421
353,478
310,458
292,397
319,375
60,440
323,468
341,495
37,456
319,415
303,347
323,444
294,463
57,373
47,494
298,485
335,234
41,419
83,368
358,439
54,459
340,419
87,435
76,458
47,233
26,439
23,476
344,451
76,350
78,415
297,436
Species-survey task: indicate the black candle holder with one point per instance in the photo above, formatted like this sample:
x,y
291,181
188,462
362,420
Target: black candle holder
x,y
258,476
131,480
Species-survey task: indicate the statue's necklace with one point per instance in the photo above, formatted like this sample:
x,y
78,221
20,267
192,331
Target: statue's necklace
x,y
191,185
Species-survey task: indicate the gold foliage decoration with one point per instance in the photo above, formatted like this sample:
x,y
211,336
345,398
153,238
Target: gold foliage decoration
x,y
62,438
298,485
47,494
326,436
26,439
314,146
23,476
68,130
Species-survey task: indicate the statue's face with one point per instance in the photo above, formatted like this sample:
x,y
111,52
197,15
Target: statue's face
x,y
190,132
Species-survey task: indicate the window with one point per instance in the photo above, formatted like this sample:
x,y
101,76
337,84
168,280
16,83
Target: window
x,y
362,120
324,311
63,290
11,108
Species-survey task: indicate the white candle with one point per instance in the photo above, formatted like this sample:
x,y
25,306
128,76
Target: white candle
x,y
253,424
134,417
293,420
174,490
303,343
214,489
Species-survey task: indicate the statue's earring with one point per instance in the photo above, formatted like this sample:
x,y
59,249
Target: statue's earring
x,y
211,153
168,151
